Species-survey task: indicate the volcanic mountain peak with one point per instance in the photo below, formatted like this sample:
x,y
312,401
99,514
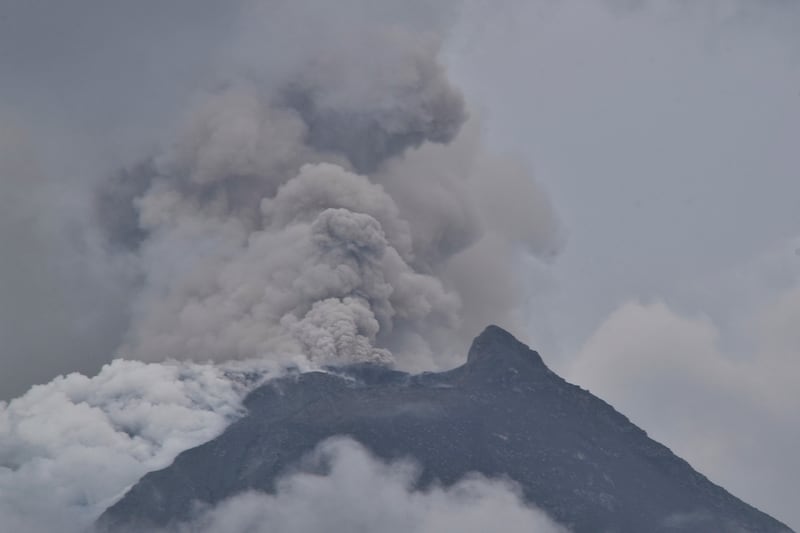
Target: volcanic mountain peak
x,y
502,414
498,350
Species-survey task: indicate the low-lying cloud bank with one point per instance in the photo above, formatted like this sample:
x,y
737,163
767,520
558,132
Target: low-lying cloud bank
x,y
358,492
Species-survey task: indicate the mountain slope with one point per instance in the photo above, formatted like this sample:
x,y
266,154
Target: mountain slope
x,y
503,413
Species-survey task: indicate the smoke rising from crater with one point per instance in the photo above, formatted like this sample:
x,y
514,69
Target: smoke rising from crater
x,y
312,191
325,210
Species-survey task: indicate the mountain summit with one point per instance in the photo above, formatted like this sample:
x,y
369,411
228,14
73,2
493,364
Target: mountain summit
x,y
501,414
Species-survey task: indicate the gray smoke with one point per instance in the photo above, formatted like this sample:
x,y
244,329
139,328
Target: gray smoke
x,y
298,185
328,208
168,211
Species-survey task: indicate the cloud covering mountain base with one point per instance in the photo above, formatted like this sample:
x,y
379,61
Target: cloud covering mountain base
x,y
352,491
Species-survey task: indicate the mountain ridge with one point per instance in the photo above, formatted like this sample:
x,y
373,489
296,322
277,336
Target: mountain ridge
x,y
503,413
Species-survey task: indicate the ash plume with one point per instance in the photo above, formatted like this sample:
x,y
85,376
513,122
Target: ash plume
x,y
323,212
312,192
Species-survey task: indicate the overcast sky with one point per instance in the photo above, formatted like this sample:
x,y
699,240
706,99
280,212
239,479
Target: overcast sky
x,y
667,135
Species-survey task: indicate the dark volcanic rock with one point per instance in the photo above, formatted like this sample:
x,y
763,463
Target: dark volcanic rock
x,y
503,413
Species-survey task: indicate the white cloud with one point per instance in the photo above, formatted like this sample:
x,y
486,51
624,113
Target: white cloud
x,y
69,448
361,493
731,415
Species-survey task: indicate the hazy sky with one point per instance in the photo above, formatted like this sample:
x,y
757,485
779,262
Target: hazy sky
x,y
665,133
668,135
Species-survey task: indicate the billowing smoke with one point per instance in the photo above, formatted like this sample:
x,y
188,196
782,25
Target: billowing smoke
x,y
324,212
323,199
180,210
70,448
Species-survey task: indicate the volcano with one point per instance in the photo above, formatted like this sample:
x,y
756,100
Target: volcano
x,y
502,414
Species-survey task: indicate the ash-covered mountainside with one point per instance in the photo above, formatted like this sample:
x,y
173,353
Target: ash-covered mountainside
x,y
503,414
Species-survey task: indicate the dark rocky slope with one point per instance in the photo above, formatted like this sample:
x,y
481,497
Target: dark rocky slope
x,y
503,413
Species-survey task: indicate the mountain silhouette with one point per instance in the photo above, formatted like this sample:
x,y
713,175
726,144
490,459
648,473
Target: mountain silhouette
x,y
502,414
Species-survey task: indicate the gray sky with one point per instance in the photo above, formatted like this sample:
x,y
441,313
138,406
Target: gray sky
x,y
665,133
